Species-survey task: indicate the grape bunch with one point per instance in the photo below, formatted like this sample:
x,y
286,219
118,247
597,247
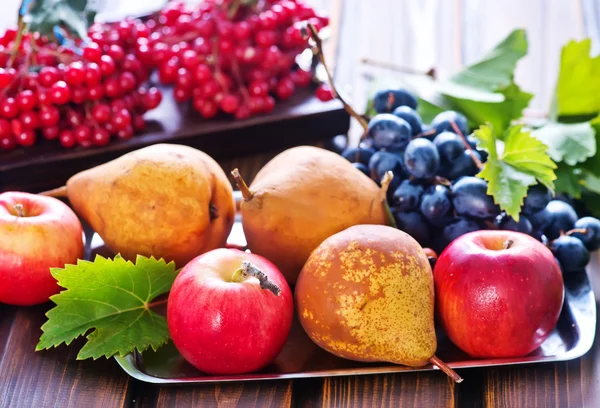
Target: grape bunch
x,y
78,99
434,195
222,56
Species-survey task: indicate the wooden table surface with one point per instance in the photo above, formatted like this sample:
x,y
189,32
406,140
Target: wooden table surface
x,y
54,378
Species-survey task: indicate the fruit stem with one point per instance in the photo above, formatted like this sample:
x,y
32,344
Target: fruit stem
x,y
57,192
445,368
508,243
576,230
467,145
442,180
248,270
239,181
385,183
19,209
16,44
394,67
321,55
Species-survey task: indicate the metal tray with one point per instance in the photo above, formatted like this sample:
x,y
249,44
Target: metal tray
x,y
301,358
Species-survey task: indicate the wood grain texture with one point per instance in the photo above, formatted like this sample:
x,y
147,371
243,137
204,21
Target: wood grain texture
x,y
54,377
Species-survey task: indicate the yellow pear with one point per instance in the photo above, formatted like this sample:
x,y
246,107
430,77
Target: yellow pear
x,y
301,197
166,200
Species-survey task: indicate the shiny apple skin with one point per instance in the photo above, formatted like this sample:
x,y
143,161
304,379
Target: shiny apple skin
x,y
49,236
224,327
494,302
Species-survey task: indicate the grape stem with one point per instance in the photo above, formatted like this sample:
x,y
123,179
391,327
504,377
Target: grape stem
x,y
445,368
239,181
467,145
321,56
249,270
576,230
394,67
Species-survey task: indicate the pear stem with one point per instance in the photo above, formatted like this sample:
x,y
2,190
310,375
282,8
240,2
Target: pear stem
x,y
19,209
445,368
239,181
57,192
248,270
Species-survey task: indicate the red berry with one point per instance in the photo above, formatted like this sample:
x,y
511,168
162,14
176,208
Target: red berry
x,y
131,63
258,88
48,76
241,30
30,81
202,47
117,104
75,73
125,30
60,93
43,97
127,81
184,79
26,100
5,129
83,134
93,74
243,112
205,27
95,92
50,132
67,138
25,138
181,94
101,113
202,73
121,119
267,20
100,137
9,108
116,53
112,87
285,88
92,52
144,54
269,104
107,65
209,89
139,123
29,120
256,104
74,118
271,57
324,93
209,110
265,38
7,143
301,77
152,98
79,94
16,126
160,53
49,116
190,59
6,77
167,72
225,46
125,133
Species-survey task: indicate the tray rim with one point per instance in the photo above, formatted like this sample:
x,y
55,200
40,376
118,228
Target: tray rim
x,y
585,343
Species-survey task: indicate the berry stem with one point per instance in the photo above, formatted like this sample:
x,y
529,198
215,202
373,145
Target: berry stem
x,y
467,145
249,270
394,67
17,43
321,55
445,368
19,210
56,193
239,181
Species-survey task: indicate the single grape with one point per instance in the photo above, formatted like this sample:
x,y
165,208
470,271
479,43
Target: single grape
x,y
387,100
449,145
382,162
506,222
571,253
389,132
357,154
421,158
408,195
338,144
461,226
557,217
591,236
464,165
469,197
362,167
473,143
413,224
538,197
411,116
436,205
443,122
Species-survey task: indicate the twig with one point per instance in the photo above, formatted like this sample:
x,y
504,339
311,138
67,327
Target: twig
x,y
467,145
394,67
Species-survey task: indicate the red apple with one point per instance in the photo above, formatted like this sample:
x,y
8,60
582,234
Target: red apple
x,y
498,293
36,233
221,320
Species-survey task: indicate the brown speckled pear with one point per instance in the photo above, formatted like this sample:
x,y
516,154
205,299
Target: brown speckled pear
x,y
302,196
366,294
169,201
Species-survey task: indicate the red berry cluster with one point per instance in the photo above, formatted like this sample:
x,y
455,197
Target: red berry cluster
x,y
223,56
80,99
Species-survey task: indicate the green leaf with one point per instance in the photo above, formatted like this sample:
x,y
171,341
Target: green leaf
x,y
523,162
76,22
571,143
76,15
112,298
568,180
578,85
593,163
496,69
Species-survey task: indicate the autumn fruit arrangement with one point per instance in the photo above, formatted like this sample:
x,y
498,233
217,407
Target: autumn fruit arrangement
x,y
72,80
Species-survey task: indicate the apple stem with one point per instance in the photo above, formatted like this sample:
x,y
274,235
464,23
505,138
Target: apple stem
x,y
445,368
248,270
19,209
57,192
508,243
239,181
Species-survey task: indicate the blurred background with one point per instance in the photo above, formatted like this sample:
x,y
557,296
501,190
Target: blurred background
x,y
424,34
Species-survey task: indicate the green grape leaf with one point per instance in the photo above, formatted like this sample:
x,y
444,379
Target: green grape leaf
x,y
496,69
44,15
568,180
593,163
578,85
569,143
523,162
111,299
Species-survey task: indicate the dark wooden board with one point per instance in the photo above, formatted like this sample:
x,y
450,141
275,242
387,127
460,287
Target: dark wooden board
x,y
301,120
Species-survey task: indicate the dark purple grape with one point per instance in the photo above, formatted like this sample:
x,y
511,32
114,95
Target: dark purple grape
x,y
461,226
473,143
557,217
413,224
382,162
411,116
443,122
464,165
421,158
449,145
362,167
337,143
572,255
470,198
537,199
408,195
357,154
591,236
389,132
506,222
387,100
436,206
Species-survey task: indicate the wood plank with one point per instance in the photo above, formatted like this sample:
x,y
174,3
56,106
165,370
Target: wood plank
x,y
54,377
